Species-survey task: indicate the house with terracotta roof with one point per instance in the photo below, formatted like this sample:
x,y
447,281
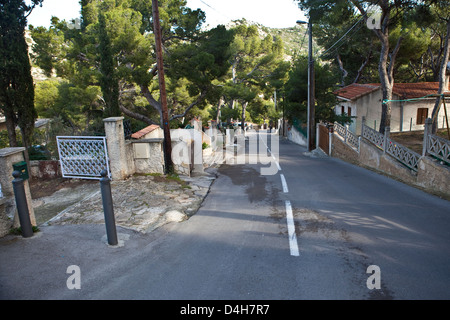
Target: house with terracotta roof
x,y
152,131
364,100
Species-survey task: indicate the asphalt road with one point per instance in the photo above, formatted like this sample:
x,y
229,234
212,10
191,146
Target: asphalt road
x,y
307,231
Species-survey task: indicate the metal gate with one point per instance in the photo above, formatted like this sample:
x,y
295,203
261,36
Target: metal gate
x,y
324,140
83,157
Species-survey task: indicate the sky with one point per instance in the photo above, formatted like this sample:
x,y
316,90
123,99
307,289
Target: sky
x,y
270,13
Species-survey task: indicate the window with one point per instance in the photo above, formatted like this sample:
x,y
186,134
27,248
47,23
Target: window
x,y
349,111
422,114
342,110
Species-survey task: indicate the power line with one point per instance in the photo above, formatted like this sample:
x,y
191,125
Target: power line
x,y
342,37
342,43
416,99
303,40
219,12
348,31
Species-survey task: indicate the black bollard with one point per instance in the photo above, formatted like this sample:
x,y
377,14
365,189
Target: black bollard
x,y
22,206
110,221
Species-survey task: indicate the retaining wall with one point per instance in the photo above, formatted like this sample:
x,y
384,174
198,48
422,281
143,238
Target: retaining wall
x,y
431,176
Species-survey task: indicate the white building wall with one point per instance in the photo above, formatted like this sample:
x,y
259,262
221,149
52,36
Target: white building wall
x,y
353,112
403,114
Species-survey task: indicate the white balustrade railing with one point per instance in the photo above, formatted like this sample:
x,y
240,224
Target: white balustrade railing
x,y
438,147
402,154
373,136
433,145
349,137
406,156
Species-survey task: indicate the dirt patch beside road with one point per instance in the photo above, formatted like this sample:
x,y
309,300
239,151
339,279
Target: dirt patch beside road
x,y
40,188
141,203
414,139
50,197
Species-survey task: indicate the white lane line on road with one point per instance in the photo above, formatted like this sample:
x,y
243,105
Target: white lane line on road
x,y
278,165
293,245
284,184
270,152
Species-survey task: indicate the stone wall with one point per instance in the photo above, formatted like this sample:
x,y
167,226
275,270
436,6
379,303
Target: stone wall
x,y
8,211
340,149
145,154
148,155
45,169
373,157
295,136
182,156
434,176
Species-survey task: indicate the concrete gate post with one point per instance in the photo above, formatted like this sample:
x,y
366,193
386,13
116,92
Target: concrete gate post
x,y
115,140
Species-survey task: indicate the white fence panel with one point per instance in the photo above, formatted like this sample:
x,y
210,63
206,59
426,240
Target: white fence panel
x,y
439,147
83,157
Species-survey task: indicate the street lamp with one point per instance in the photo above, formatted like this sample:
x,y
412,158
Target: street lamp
x,y
311,102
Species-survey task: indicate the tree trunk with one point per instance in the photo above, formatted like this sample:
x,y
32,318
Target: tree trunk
x,y
162,89
244,107
386,70
341,67
386,85
136,116
26,145
363,66
443,84
219,106
233,69
11,127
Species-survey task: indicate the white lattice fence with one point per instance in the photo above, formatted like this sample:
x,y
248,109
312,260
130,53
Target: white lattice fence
x,y
82,157
349,137
439,147
373,136
402,154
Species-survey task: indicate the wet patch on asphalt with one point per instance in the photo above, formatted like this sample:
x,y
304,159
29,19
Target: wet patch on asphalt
x,y
249,178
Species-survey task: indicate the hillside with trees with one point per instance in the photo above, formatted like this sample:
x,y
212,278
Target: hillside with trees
x,y
105,64
107,67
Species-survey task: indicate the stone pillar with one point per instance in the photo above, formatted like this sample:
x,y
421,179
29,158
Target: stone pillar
x,y
115,140
8,212
229,137
426,133
330,139
317,135
387,133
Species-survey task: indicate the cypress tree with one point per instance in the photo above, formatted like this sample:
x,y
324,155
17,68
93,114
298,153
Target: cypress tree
x,y
108,81
16,82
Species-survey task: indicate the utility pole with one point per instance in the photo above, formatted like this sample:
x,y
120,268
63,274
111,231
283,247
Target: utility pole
x,y
311,99
162,88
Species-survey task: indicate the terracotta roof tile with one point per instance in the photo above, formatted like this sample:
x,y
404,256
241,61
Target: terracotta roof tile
x,y
356,90
415,90
403,90
143,132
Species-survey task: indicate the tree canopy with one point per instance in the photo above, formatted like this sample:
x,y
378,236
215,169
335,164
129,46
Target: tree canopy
x,y
400,45
106,65
16,81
